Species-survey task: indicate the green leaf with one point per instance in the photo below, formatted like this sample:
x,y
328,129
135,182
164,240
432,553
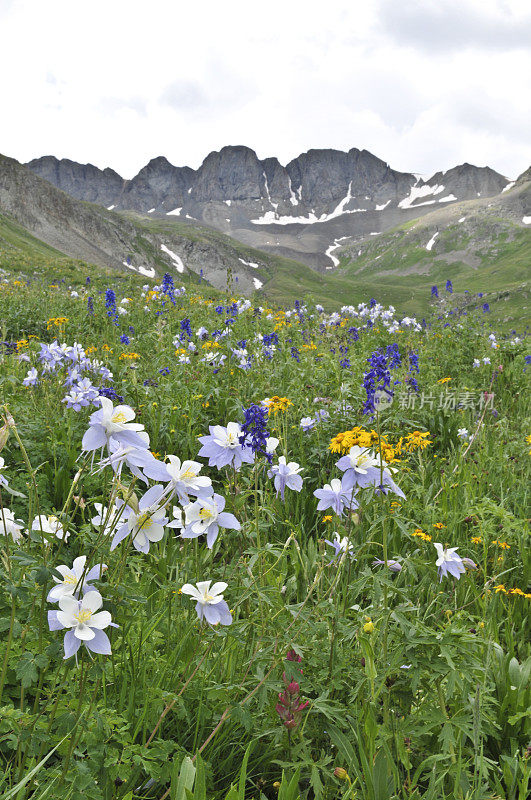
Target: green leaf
x,y
289,790
243,772
184,781
200,779
380,773
26,669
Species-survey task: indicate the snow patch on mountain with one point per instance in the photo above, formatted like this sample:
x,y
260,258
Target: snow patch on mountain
x,y
177,261
252,264
419,191
336,243
176,212
432,241
148,273
272,218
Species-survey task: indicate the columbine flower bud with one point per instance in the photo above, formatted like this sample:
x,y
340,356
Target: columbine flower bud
x,y
4,434
469,564
341,773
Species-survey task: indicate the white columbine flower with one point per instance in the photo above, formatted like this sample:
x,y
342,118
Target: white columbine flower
x,y
183,478
145,525
50,524
210,604
362,459
8,524
112,520
271,445
207,515
74,580
84,621
113,423
448,562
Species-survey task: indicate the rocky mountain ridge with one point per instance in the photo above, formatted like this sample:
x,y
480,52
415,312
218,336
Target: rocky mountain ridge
x,y
126,242
299,210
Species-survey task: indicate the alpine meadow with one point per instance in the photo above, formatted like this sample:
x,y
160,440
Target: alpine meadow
x,y
265,400
253,551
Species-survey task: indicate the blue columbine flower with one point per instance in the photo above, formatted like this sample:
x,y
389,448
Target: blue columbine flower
x,y
222,447
434,292
449,287
334,495
286,475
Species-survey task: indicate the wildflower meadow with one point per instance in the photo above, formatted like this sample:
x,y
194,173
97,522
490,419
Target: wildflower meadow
x,y
260,552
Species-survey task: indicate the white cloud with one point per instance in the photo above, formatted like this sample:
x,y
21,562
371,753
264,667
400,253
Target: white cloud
x,y
423,85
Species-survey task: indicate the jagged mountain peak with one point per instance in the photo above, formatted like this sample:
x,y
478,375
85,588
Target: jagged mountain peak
x,y
264,203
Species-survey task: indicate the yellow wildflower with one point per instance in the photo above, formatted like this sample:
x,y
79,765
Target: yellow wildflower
x,y
418,440
276,404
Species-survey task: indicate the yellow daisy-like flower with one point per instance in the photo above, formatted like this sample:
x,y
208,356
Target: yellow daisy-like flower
x,y
503,545
421,535
476,540
327,518
417,440
276,404
444,380
438,525
500,588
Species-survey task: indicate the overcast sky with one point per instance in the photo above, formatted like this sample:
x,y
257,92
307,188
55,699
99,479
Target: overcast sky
x,y
423,84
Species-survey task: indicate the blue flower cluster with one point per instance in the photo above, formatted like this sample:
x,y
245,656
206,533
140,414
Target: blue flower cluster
x,y
110,305
413,368
168,287
254,429
378,378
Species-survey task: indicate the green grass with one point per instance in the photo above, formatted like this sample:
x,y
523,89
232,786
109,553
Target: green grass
x,y
415,689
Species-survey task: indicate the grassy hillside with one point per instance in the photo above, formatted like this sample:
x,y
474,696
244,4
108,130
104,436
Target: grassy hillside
x,y
487,253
